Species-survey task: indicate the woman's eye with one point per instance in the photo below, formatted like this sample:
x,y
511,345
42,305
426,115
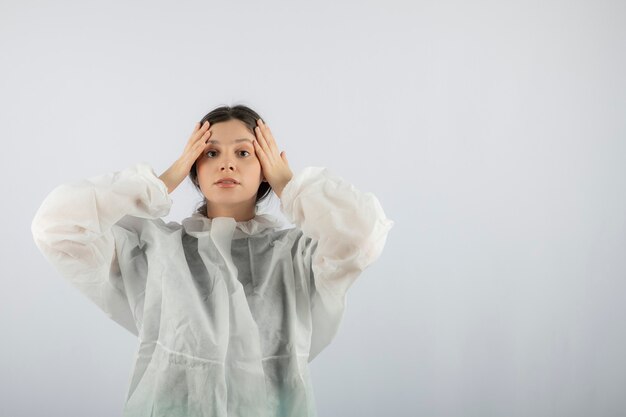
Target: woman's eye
x,y
208,152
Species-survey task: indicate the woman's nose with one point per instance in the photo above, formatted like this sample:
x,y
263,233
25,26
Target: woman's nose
x,y
227,164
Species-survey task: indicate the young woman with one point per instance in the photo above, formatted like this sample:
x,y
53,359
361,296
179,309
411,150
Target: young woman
x,y
229,308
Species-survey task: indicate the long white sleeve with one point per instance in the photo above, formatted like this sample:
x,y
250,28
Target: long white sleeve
x,y
73,229
348,229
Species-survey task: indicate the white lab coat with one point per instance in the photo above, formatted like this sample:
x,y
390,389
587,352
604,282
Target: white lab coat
x,y
228,314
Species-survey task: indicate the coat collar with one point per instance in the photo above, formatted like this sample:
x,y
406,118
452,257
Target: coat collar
x,y
199,225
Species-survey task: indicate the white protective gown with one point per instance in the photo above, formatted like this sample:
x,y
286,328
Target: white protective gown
x,y
228,314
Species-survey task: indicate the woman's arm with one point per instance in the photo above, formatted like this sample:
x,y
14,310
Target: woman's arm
x,y
348,230
73,228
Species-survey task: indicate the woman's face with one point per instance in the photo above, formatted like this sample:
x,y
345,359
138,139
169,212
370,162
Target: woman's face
x,y
229,153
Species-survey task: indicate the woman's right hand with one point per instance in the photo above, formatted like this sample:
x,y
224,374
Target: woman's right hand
x,y
176,173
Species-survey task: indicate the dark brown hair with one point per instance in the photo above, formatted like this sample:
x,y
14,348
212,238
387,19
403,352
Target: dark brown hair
x,y
223,114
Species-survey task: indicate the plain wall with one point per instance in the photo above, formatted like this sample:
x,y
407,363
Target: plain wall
x,y
493,134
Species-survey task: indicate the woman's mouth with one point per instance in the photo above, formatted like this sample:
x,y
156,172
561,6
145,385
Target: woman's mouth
x,y
226,184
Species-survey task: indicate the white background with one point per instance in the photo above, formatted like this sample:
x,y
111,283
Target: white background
x,y
492,132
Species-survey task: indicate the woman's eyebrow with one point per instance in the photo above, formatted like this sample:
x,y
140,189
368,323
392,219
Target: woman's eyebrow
x,y
235,141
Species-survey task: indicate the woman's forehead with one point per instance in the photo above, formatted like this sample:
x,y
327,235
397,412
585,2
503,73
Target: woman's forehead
x,y
230,132
220,142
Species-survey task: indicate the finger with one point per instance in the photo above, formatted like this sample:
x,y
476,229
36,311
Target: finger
x,y
263,144
196,135
202,140
267,132
259,137
262,159
200,146
259,129
259,151
269,137
199,143
203,135
200,130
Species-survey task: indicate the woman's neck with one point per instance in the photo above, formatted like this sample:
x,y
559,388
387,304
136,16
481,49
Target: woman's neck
x,y
241,212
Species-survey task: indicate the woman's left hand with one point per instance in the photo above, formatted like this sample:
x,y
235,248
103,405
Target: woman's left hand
x,y
275,167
